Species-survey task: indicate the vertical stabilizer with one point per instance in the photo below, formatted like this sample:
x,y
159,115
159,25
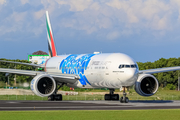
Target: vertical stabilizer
x,y
51,45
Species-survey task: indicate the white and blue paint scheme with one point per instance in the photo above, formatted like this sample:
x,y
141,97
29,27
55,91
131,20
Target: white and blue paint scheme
x,y
97,70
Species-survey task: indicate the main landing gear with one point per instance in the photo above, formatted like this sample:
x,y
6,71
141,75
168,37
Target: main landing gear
x,y
111,95
124,99
55,96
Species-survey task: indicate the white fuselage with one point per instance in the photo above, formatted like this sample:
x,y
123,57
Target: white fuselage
x,y
96,70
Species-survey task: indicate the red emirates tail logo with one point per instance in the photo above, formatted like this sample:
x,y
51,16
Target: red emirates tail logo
x,y
52,49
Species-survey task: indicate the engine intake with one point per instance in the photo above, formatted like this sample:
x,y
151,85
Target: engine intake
x,y
43,85
146,85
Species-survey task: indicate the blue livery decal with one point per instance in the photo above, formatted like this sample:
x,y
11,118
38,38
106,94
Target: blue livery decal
x,y
76,64
82,81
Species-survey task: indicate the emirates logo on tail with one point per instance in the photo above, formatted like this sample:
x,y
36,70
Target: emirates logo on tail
x,y
52,49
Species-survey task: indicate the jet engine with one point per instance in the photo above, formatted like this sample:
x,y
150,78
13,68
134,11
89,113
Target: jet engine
x,y
43,85
146,85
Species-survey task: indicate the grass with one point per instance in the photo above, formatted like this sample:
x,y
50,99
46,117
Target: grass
x,y
65,97
160,95
21,97
92,115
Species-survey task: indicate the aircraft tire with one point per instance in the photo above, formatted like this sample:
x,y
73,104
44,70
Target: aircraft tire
x,y
107,97
126,100
115,97
51,98
121,100
58,97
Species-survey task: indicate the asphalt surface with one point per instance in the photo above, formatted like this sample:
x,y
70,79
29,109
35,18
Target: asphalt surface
x,y
86,105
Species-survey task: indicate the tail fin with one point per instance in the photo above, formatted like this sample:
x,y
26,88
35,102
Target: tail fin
x,y
51,45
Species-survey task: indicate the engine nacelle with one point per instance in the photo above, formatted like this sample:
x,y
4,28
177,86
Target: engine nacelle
x,y
43,85
146,85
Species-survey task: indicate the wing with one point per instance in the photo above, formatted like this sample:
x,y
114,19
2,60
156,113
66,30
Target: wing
x,y
67,78
159,70
30,64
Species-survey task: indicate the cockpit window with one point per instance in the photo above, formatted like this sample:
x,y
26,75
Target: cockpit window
x,y
133,66
121,66
128,66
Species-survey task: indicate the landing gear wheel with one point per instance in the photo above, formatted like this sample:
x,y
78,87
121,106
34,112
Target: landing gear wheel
x,y
121,99
51,98
115,97
58,97
107,97
55,96
111,95
126,100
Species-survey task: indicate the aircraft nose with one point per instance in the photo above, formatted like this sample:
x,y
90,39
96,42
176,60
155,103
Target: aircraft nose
x,y
131,76
130,73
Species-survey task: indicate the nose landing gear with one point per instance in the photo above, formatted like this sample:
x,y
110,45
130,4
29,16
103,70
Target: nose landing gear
x,y
124,99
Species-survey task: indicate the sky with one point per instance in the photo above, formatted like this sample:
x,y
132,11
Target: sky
x,y
146,30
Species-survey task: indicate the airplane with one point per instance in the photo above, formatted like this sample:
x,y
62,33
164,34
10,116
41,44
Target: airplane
x,y
96,70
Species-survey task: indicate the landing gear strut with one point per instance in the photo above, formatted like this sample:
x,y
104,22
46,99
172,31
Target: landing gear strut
x,y
55,96
124,99
111,95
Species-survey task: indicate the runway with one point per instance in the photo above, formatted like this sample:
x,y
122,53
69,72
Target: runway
x,y
86,105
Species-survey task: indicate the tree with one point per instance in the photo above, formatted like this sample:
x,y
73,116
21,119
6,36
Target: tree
x,y
19,78
40,53
165,77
